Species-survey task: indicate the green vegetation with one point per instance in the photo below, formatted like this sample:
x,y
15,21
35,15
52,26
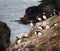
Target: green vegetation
x,y
57,28
30,46
51,18
31,33
41,48
55,48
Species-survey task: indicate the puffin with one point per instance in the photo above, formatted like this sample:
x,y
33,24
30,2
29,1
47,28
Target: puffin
x,y
38,18
19,41
26,35
31,24
44,16
47,26
54,24
54,12
38,33
41,27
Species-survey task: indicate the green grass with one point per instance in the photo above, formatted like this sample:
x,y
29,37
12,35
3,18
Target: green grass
x,y
55,48
32,32
41,48
57,28
51,18
30,46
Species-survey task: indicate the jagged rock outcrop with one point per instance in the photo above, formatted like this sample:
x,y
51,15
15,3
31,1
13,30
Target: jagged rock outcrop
x,y
4,36
46,6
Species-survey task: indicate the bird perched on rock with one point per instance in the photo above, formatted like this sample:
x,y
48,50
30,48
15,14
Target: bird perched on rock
x,y
54,24
39,19
19,41
47,26
41,27
31,24
39,33
44,16
54,12
25,35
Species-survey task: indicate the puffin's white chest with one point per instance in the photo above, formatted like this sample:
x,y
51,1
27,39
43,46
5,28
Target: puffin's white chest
x,y
39,19
31,24
54,13
19,41
47,27
26,35
44,17
55,24
40,27
39,34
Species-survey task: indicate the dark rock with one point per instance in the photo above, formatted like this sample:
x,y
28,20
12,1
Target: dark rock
x,y
57,5
30,15
32,12
48,9
53,2
46,6
26,20
4,36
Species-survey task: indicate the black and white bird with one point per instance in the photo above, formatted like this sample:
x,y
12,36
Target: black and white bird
x,y
38,33
19,41
54,24
38,18
26,35
54,12
31,24
40,27
44,16
47,26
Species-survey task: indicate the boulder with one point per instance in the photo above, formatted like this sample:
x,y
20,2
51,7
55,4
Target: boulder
x,y
4,36
46,6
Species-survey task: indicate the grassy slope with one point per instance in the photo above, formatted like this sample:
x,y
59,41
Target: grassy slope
x,y
50,40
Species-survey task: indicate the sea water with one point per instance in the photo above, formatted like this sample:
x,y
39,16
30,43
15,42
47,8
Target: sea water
x,y
11,10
